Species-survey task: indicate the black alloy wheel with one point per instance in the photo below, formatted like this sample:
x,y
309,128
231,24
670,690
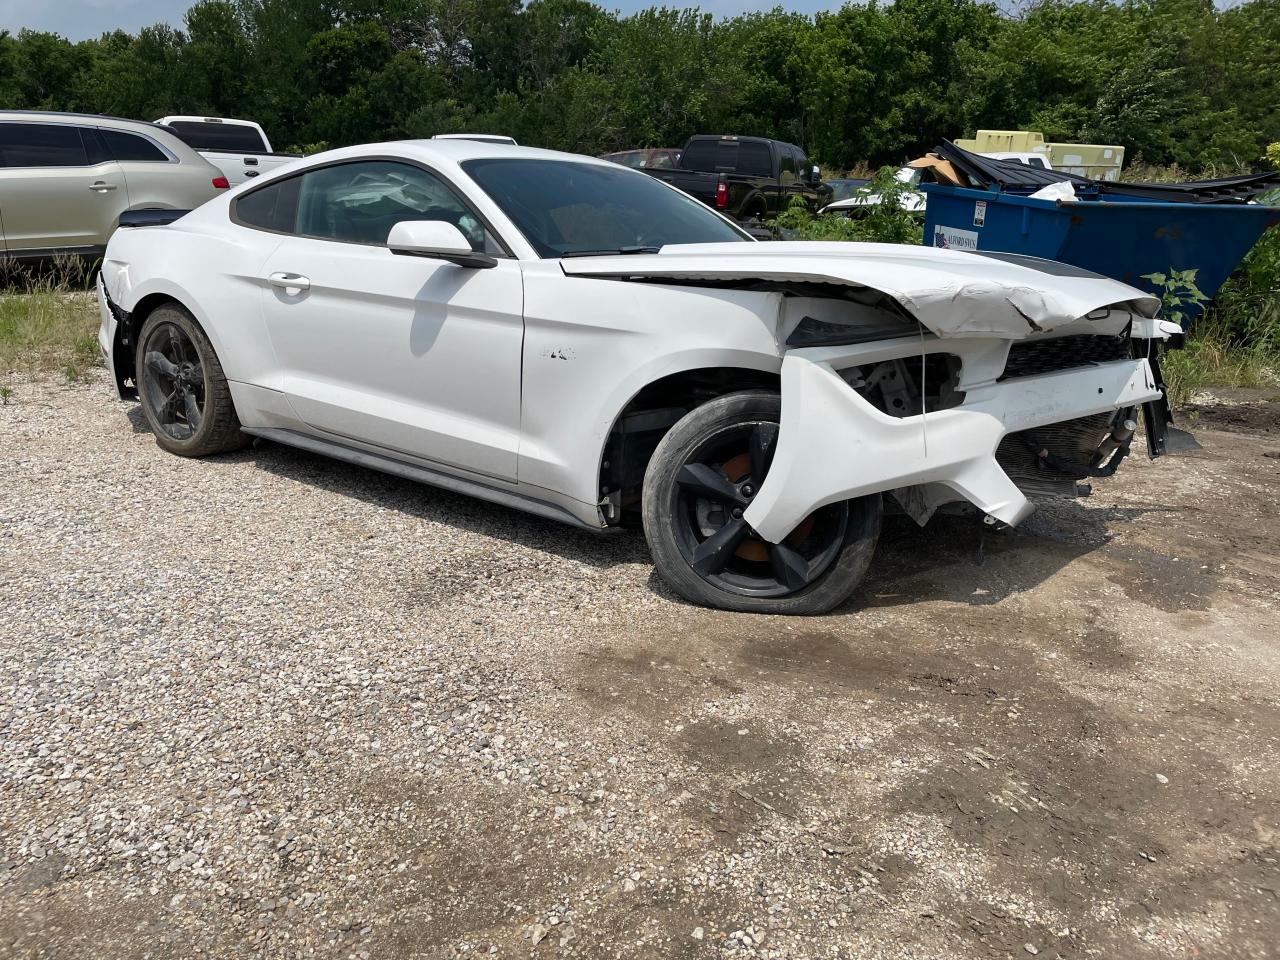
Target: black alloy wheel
x,y
704,475
185,395
173,379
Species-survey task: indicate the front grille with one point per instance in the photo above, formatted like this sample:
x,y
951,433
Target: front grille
x,y
1031,358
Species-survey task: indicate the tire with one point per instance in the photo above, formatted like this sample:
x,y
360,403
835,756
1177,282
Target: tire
x,y
183,390
695,482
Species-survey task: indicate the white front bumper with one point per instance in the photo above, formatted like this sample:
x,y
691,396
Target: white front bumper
x,y
834,445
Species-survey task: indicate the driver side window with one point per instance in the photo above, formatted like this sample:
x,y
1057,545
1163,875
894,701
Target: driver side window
x,y
360,203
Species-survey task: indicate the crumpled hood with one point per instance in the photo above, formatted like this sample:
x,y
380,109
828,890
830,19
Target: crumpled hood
x,y
954,294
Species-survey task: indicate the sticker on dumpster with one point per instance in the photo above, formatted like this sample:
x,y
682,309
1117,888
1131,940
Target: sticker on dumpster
x,y
980,213
950,238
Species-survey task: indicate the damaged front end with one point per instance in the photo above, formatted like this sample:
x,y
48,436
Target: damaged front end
x,y
989,422
935,375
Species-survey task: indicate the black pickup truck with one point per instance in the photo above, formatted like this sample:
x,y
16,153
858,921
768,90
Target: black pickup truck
x,y
746,178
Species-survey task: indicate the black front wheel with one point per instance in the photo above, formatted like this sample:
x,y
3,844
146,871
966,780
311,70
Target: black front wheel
x,y
702,478
184,393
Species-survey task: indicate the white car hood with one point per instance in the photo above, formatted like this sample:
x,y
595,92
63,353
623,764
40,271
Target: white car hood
x,y
952,293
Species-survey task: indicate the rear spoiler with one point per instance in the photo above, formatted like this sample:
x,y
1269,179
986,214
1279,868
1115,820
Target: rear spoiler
x,y
150,218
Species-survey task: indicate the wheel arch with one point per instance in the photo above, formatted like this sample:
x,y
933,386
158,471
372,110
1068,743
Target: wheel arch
x,y
756,204
651,411
129,326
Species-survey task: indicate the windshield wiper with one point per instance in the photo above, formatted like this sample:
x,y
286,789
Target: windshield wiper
x,y
608,253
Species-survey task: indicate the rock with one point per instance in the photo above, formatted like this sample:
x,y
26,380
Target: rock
x,y
698,933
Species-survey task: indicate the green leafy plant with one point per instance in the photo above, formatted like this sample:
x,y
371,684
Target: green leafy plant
x,y
883,219
6,394
1178,290
1235,342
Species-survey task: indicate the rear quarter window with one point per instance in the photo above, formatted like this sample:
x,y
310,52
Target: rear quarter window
x,y
131,148
273,207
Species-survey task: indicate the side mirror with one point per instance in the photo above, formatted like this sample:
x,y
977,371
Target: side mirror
x,y
436,240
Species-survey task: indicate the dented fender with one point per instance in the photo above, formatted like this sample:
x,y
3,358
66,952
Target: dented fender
x,y
833,445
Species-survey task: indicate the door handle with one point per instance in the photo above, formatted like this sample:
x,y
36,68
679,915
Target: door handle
x,y
289,281
101,186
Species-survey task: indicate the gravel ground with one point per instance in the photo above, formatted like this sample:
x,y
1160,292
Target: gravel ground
x,y
271,705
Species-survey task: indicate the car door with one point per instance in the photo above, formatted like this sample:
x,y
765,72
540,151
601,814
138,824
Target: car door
x,y
54,194
417,356
154,176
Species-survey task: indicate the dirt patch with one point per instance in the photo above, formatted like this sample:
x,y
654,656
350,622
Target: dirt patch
x,y
1242,410
343,715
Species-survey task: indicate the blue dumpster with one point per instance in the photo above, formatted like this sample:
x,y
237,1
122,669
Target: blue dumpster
x,y
1117,237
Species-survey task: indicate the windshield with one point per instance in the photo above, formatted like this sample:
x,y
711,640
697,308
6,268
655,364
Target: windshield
x,y
844,189
563,207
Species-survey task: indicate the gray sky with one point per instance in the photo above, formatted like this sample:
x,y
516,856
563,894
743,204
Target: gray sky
x,y
78,19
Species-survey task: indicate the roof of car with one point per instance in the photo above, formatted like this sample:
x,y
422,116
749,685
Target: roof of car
x,y
97,119
459,151
162,135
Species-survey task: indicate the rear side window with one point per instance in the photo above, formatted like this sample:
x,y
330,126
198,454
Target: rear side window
x,y
131,148
41,145
754,160
203,135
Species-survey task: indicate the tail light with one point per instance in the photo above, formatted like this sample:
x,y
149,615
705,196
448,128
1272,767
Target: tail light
x,y
722,195
222,183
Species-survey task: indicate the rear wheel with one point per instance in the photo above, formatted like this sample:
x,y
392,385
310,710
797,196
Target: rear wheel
x,y
184,393
702,477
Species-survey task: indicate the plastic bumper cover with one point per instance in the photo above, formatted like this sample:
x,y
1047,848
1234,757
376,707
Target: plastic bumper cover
x,y
834,445
106,328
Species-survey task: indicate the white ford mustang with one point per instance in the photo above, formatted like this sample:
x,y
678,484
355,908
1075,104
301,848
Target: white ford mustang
x,y
569,337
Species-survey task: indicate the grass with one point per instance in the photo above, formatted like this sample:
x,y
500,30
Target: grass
x,y
1236,343
48,322
1139,171
1215,357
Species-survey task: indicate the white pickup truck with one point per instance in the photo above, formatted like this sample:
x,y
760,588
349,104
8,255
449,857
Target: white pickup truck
x,y
239,148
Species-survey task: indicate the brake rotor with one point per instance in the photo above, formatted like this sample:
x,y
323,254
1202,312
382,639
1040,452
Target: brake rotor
x,y
737,470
